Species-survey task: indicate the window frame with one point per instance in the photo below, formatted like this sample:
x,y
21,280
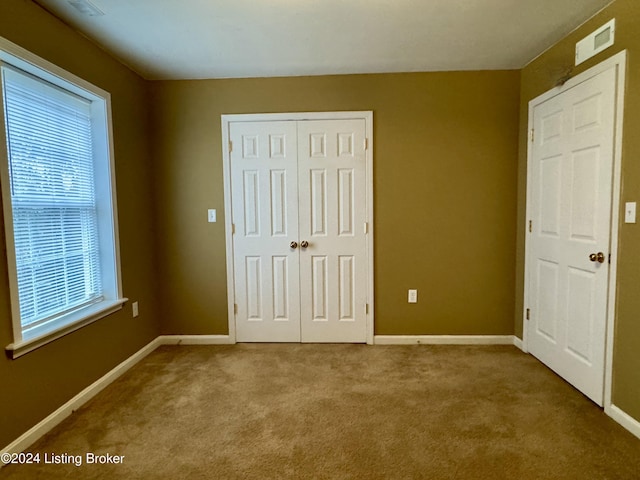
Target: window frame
x,y
104,165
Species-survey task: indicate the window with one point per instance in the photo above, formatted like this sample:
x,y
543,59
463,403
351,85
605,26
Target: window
x,y
57,187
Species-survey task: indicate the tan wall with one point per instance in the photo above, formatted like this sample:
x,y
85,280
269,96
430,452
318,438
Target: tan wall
x,y
445,203
36,384
444,193
540,76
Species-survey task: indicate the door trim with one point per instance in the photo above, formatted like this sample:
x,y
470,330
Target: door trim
x,y
618,61
367,116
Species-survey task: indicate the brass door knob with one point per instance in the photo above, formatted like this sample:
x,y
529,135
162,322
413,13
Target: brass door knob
x,y
293,244
597,257
304,244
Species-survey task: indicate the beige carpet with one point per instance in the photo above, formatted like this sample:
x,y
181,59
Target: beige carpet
x,y
340,412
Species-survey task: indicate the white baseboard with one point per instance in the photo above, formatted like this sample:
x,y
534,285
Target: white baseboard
x,y
443,340
195,340
29,437
624,419
518,343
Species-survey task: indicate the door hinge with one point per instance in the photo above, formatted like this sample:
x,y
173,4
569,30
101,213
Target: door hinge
x,y
530,226
366,144
235,308
532,134
230,146
609,259
528,314
366,308
233,229
366,227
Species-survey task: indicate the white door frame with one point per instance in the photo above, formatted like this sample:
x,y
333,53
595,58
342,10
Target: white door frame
x,y
367,116
618,61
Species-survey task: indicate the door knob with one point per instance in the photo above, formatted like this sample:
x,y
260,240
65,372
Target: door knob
x,y
304,244
597,257
293,244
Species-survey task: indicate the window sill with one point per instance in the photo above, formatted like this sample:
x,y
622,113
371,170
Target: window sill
x,y
85,317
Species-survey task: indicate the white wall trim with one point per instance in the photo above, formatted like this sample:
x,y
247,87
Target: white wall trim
x,y
443,340
624,419
30,436
228,228
518,343
195,340
620,60
368,121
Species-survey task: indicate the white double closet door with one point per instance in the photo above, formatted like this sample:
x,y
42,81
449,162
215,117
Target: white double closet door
x,y
299,243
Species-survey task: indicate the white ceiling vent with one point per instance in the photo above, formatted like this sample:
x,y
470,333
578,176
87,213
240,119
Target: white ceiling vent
x,y
596,42
86,8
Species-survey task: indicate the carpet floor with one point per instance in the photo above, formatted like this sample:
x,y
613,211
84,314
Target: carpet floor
x,y
289,411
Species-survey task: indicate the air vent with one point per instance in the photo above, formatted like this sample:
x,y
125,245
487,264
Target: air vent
x,y
596,42
86,8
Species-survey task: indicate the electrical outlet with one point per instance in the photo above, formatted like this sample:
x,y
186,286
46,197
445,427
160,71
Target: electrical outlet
x,y
413,296
134,308
211,215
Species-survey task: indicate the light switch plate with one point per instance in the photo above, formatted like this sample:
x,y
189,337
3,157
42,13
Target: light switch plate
x,y
630,212
413,296
134,309
212,215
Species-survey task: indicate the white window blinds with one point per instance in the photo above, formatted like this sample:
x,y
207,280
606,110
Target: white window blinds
x,y
51,170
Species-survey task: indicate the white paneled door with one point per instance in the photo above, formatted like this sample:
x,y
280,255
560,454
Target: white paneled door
x,y
568,262
299,244
264,188
333,269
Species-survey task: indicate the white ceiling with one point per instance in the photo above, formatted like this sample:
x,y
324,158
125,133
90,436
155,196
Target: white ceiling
x,y
187,39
